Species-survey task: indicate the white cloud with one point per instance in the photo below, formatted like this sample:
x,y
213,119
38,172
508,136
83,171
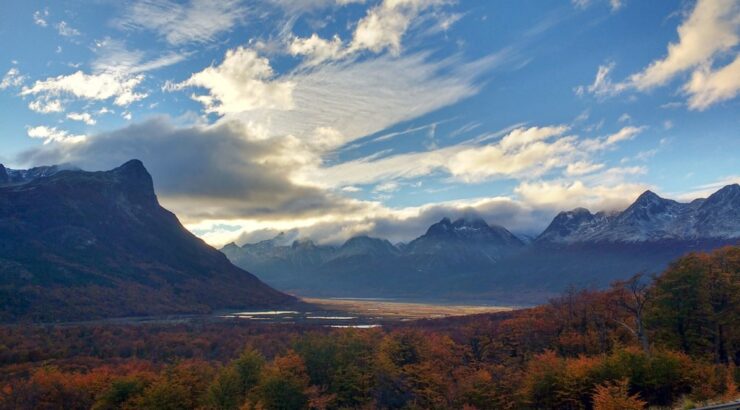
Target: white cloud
x,y
709,31
40,16
704,190
711,28
602,86
317,49
243,81
112,56
581,168
382,28
102,86
624,134
359,98
197,21
13,78
384,25
571,194
52,134
522,153
66,30
707,87
46,106
625,118
82,116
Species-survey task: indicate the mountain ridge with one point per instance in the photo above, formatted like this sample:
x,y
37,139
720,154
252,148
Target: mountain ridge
x,y
468,256
84,245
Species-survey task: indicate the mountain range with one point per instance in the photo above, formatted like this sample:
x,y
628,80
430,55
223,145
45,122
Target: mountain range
x,y
468,258
84,245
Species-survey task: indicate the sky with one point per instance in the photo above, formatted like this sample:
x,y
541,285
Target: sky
x,y
327,119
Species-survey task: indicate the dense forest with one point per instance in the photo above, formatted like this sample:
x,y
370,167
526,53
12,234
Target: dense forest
x,y
665,341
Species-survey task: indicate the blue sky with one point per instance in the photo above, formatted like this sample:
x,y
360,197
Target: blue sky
x,y
330,118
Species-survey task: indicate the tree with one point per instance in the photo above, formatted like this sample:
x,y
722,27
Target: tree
x,y
696,305
615,396
632,296
284,384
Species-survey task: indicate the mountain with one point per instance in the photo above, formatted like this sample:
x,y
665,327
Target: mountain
x,y
652,219
82,245
469,258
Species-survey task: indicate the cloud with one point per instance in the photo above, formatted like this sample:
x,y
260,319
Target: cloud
x,y
711,28
217,172
317,49
707,87
382,28
386,90
82,116
581,168
709,32
102,86
602,86
13,78
112,56
571,194
66,30
52,134
624,134
242,82
40,16
705,190
385,24
196,21
46,106
523,151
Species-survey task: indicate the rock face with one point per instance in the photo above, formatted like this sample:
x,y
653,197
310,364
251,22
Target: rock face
x,y
470,258
84,245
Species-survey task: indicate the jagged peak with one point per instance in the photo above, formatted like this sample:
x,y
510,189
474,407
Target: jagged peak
x,y
231,245
133,167
649,197
727,190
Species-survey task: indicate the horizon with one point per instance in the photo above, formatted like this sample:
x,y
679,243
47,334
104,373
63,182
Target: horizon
x,y
375,118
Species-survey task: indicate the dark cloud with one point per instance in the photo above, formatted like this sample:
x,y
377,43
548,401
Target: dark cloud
x,y
213,172
513,215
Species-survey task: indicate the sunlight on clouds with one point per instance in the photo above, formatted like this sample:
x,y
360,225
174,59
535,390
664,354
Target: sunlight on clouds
x,y
707,86
581,168
709,32
243,81
567,195
82,116
101,86
385,24
710,28
382,28
52,134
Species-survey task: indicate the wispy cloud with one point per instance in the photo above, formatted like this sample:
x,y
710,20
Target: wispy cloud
x,y
194,21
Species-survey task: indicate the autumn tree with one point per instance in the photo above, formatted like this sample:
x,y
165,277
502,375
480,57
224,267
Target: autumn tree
x,y
697,305
616,396
633,297
284,384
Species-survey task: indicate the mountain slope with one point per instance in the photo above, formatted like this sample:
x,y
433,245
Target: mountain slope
x,y
80,245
